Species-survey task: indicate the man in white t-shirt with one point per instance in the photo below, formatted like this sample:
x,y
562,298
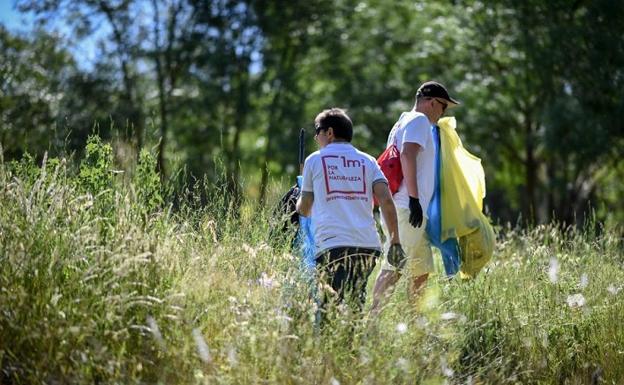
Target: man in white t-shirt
x,y
339,182
413,136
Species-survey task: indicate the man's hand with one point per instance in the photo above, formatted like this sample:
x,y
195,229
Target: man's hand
x,y
295,193
416,214
396,256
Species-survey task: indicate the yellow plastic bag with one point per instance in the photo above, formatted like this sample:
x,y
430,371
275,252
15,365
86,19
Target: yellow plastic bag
x,y
462,193
476,249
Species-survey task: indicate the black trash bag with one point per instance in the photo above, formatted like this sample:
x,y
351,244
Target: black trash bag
x,y
284,223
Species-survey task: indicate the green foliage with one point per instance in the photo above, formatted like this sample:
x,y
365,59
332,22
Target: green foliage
x,y
26,169
96,173
147,182
198,296
33,74
232,81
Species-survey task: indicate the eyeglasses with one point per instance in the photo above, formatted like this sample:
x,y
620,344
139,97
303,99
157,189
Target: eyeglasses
x,y
444,105
318,129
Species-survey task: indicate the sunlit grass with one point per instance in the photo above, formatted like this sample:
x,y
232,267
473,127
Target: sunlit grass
x,y
97,286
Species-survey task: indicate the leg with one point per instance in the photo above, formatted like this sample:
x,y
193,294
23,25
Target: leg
x,y
415,286
346,270
332,274
384,287
419,259
361,264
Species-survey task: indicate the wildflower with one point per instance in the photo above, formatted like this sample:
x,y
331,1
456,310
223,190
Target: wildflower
x,y
576,300
448,316
153,326
267,281
202,347
232,357
401,328
250,250
584,281
55,298
553,270
613,289
402,364
448,372
283,319
334,381
422,322
365,358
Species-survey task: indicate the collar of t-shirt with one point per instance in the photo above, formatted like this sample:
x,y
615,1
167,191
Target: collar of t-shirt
x,y
338,145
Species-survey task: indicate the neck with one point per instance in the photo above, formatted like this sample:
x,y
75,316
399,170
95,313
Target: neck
x,y
426,113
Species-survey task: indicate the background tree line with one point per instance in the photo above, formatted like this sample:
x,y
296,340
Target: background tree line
x,y
226,85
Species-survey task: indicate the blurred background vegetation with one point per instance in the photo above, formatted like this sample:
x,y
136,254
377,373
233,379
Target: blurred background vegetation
x,y
224,86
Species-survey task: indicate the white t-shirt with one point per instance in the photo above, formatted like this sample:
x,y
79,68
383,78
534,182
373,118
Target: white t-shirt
x,y
341,178
414,127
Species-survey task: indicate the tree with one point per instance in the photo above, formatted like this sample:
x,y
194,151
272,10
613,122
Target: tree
x,y
170,51
285,45
85,17
33,75
527,69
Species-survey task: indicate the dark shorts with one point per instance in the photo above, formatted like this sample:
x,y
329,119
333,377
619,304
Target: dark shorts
x,y
346,270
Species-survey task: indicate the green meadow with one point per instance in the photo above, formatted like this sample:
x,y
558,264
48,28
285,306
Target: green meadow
x,y
112,278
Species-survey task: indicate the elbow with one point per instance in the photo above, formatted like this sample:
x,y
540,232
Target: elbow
x,y
386,202
303,209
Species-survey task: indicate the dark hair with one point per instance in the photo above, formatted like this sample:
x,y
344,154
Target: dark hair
x,y
337,119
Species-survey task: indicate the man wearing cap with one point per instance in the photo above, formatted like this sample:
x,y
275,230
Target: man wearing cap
x,y
417,138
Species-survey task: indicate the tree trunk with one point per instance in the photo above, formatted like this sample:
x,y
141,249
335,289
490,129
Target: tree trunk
x,y
530,168
285,66
136,114
241,111
162,102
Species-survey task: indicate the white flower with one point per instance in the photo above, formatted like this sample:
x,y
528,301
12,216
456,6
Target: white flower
x,y
250,250
553,270
422,322
334,381
401,327
202,347
613,289
402,364
364,357
584,281
232,357
151,322
267,281
576,300
448,316
448,372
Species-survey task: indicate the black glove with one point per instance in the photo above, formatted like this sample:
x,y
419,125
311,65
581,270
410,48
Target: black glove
x,y
396,256
416,214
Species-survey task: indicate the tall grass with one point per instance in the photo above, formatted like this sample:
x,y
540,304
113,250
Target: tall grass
x,y
101,281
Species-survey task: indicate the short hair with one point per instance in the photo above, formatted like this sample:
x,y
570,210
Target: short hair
x,y
337,119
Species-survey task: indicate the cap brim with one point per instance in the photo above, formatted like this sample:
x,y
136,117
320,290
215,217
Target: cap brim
x,y
451,102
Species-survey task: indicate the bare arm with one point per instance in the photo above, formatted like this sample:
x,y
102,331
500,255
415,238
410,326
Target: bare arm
x,y
386,205
408,165
304,203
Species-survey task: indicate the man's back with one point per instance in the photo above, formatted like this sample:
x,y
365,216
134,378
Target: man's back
x,y
341,178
